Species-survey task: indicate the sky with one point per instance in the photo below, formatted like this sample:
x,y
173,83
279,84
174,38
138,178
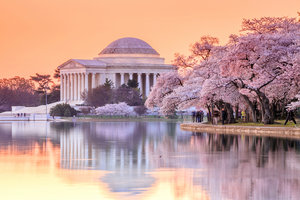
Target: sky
x,y
38,35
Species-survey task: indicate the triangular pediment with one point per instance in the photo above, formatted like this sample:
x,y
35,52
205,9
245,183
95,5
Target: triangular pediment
x,y
80,63
70,64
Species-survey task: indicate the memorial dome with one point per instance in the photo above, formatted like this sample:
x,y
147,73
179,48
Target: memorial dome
x,y
129,45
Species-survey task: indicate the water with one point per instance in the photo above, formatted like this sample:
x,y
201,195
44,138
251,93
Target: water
x,y
142,160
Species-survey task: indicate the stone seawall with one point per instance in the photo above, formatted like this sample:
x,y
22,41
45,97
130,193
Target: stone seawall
x,y
286,132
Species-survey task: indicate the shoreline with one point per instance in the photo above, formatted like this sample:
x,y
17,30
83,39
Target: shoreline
x,y
282,132
95,119
120,119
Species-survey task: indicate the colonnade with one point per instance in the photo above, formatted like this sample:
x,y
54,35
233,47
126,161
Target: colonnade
x,y
74,84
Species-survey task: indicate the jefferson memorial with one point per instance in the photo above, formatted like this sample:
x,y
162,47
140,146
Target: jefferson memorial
x,y
123,59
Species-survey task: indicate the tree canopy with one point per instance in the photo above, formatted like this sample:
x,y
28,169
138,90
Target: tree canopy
x,y
257,71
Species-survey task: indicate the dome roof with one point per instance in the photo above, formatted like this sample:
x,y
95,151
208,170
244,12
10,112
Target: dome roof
x,y
129,45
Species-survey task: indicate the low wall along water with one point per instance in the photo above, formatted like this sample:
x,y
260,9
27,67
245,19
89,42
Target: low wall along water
x,y
286,132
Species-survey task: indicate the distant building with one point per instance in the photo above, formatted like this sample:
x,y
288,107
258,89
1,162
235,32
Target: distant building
x,y
123,59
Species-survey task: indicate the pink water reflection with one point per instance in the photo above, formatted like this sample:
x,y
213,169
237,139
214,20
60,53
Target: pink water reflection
x,y
149,161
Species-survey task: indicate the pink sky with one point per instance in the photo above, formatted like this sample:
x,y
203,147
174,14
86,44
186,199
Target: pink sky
x,y
38,35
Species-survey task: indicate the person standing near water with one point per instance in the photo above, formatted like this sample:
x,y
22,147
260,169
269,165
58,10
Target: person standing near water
x,y
224,115
194,116
244,115
201,115
215,117
290,116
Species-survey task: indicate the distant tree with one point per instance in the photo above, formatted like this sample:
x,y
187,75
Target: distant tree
x,y
17,91
53,95
132,83
129,95
56,74
63,110
43,82
108,83
106,94
99,96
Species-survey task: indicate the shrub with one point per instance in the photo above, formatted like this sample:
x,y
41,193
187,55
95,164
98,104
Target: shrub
x,y
63,110
140,110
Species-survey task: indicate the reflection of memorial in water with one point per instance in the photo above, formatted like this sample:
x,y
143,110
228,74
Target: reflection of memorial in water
x,y
137,158
124,149
98,146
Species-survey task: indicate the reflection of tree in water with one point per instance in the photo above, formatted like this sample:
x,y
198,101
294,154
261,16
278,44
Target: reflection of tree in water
x,y
228,166
21,138
5,135
261,146
222,142
171,129
62,127
248,167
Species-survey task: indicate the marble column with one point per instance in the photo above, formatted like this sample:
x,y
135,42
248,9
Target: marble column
x,y
122,78
140,82
65,87
130,76
75,86
103,78
154,78
82,83
79,85
113,77
93,80
72,87
61,87
147,85
86,82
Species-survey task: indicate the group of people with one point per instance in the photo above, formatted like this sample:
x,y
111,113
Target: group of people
x,y
223,116
216,116
21,115
198,116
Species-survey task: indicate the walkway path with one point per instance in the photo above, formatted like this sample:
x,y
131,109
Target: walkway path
x,y
288,132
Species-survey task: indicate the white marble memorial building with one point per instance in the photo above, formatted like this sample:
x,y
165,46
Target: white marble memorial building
x,y
123,59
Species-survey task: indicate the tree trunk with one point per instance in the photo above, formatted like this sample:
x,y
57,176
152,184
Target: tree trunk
x,y
237,112
229,110
209,118
267,115
212,113
252,108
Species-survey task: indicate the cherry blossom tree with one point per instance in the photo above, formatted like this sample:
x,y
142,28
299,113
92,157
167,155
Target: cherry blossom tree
x,y
165,85
264,59
259,66
120,109
171,91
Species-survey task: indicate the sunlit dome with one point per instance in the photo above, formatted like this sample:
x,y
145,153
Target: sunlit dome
x,y
129,45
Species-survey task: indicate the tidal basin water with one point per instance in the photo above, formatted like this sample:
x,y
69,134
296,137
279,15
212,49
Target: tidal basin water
x,y
142,160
